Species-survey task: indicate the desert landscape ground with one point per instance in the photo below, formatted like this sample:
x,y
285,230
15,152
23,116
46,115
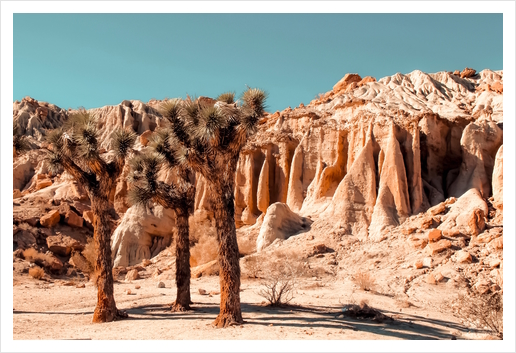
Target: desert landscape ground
x,y
376,211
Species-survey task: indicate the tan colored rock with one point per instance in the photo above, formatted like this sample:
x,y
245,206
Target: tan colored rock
x,y
434,235
145,137
392,205
72,219
50,219
295,187
494,263
498,179
132,275
467,214
207,269
88,216
280,223
16,194
160,285
468,72
463,256
438,277
419,243
347,80
428,262
135,237
418,264
353,202
479,143
496,244
430,279
263,197
437,209
24,239
452,233
43,183
440,246
63,244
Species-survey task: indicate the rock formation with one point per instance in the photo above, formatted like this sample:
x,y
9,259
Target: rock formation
x,y
362,157
280,223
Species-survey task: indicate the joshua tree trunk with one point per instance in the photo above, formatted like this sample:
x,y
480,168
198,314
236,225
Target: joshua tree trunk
x,y
106,310
228,257
183,301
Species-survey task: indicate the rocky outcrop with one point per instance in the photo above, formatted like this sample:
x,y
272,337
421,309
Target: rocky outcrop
x,y
480,142
143,232
280,223
498,179
466,215
392,205
353,202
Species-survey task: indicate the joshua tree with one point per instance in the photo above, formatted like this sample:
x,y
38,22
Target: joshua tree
x,y
179,196
75,148
20,143
207,137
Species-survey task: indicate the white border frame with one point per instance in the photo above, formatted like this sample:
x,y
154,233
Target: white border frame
x,y
10,7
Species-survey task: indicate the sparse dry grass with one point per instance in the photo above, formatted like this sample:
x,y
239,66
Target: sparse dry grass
x,y
89,254
36,272
365,281
246,246
481,311
252,266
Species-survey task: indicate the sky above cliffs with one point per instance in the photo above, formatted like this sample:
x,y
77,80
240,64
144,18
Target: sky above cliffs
x,y
92,60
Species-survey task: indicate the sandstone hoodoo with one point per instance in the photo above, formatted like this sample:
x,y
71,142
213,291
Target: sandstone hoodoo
x,y
394,184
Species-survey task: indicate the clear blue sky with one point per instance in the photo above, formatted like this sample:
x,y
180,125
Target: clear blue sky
x,y
92,60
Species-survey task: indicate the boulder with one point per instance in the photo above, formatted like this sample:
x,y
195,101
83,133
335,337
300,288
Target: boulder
x,y
437,247
468,72
50,219
434,235
463,256
73,220
24,239
43,183
280,223
133,238
132,275
418,264
63,245
145,137
207,269
467,214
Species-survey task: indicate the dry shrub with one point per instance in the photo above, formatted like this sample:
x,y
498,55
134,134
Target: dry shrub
x,y
280,279
36,272
203,241
34,256
252,266
90,255
363,311
365,281
481,311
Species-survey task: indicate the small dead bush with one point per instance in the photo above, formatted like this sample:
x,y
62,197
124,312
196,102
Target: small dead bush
x,y
252,266
36,272
89,254
279,283
365,281
481,311
34,256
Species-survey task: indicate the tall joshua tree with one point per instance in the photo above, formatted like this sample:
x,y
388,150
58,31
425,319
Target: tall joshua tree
x,y
75,148
207,137
179,196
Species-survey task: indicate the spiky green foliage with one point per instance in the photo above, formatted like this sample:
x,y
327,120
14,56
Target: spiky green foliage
x,y
20,142
171,109
211,121
227,97
122,140
254,100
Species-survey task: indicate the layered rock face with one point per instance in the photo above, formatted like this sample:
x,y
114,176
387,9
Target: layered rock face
x,y
363,157
369,154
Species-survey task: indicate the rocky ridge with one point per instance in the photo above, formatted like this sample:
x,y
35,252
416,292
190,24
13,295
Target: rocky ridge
x,y
410,161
